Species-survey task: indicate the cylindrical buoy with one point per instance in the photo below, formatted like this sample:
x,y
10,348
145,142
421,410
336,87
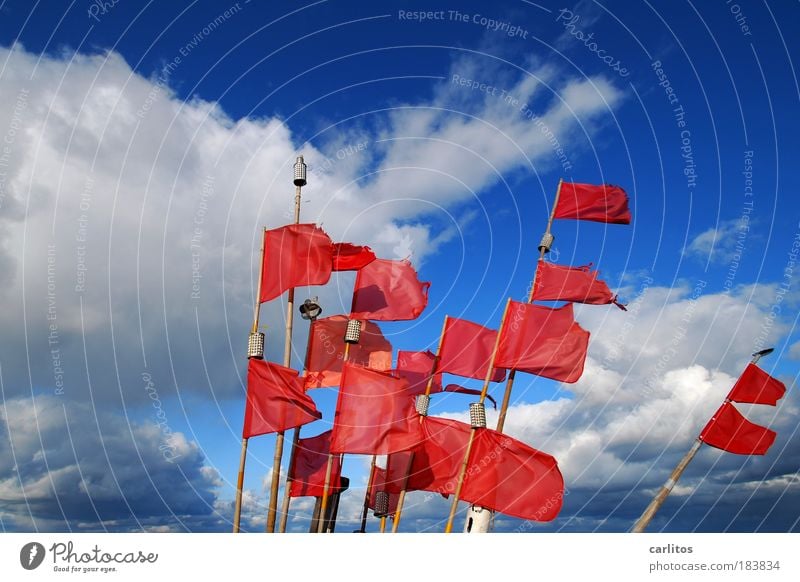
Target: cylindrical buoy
x,y
477,415
299,172
353,331
479,519
255,345
422,404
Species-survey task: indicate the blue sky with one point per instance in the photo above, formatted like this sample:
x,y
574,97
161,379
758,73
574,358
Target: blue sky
x,y
443,139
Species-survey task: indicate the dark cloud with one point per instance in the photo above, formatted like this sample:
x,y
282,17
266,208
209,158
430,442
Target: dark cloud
x,y
67,466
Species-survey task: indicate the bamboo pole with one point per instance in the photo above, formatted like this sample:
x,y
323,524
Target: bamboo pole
x,y
295,440
398,512
257,306
325,493
284,513
465,462
501,418
666,488
429,385
383,524
315,516
287,360
365,510
237,510
642,523
329,468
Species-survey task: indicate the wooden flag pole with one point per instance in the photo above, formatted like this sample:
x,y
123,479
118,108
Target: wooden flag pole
x,y
365,510
462,473
287,360
667,487
325,494
237,510
257,306
429,385
295,438
402,498
329,468
544,247
287,485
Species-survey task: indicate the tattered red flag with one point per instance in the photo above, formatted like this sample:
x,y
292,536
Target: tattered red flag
x,y
276,400
416,368
730,431
350,257
296,255
466,350
508,476
578,284
755,386
375,414
310,465
388,291
598,203
326,351
543,341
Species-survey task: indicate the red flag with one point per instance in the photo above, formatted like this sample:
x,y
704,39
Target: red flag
x,y
543,341
579,284
397,466
349,257
296,255
416,367
730,431
603,203
503,474
379,484
755,386
326,351
375,414
276,400
436,461
466,350
388,291
508,476
310,464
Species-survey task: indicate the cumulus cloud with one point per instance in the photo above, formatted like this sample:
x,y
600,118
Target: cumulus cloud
x,y
130,219
70,466
723,243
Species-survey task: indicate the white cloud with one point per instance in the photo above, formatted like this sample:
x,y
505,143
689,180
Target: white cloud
x,y
72,466
134,196
725,243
